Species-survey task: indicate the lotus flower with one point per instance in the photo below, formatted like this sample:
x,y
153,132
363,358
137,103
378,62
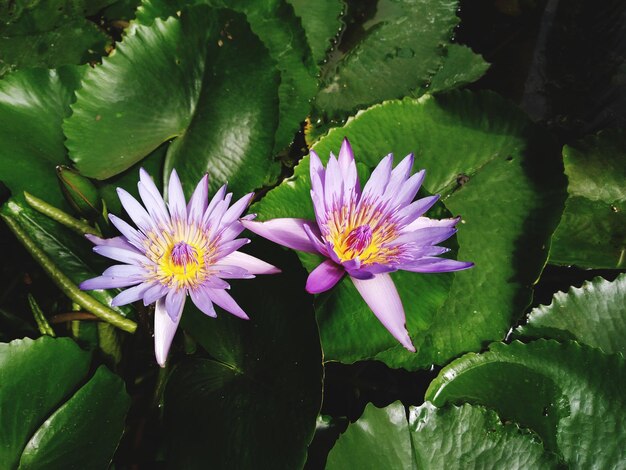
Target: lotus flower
x,y
178,249
367,233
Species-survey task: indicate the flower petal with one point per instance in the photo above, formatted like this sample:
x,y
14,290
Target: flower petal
x,y
202,300
381,295
148,190
124,270
224,300
436,265
235,211
154,293
199,201
317,173
174,302
414,210
121,254
249,263
133,236
176,198
409,189
164,330
107,282
287,232
425,236
117,242
135,211
375,186
130,295
424,222
324,277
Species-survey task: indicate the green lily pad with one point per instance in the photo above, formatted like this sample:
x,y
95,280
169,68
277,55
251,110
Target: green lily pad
x,y
592,232
452,437
460,67
49,34
569,394
203,79
47,411
493,168
321,21
592,314
275,23
33,104
399,50
254,402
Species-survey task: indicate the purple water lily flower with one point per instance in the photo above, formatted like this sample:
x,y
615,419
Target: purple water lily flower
x,y
367,233
177,249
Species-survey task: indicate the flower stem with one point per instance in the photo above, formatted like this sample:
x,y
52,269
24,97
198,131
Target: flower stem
x,y
65,284
61,217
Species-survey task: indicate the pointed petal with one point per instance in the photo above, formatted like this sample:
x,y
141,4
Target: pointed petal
x,y
121,254
324,277
379,179
381,295
436,265
228,247
333,184
174,302
117,242
217,198
124,270
135,211
414,210
249,263
176,198
154,293
409,189
400,173
130,295
202,300
107,282
225,271
224,300
133,236
349,175
425,236
164,331
424,222
152,193
317,173
199,201
286,232
235,211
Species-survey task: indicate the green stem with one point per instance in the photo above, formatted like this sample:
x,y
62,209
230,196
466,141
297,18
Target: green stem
x,y
61,217
42,322
66,285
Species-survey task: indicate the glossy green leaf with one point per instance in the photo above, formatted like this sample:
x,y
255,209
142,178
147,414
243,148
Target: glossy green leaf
x,y
203,79
493,168
36,33
570,394
254,402
93,418
275,23
399,50
33,104
69,253
592,232
321,21
431,438
48,419
592,314
461,66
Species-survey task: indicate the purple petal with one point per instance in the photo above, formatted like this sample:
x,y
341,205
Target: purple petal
x,y
156,207
124,270
164,331
319,208
199,201
414,210
424,222
175,302
379,179
425,236
106,282
317,172
235,211
116,242
249,263
154,293
381,295
228,247
202,300
324,277
121,254
176,198
224,300
217,198
349,175
436,265
287,232
320,246
225,271
130,295
400,173
333,184
133,236
213,219
135,211
409,189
